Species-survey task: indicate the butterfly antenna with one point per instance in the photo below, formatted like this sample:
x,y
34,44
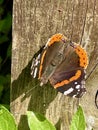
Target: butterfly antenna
x,y
92,71
96,96
26,93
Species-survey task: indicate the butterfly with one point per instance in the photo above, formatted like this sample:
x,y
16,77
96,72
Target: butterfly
x,y
63,63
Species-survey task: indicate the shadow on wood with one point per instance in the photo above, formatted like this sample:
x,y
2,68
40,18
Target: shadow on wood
x,y
35,100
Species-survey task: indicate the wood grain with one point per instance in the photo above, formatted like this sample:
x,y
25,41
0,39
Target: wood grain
x,y
34,21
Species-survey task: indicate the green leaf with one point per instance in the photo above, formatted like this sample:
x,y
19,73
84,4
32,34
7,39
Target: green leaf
x,y
3,39
78,120
38,122
2,79
5,79
1,9
7,121
5,24
1,89
1,1
7,106
8,78
9,51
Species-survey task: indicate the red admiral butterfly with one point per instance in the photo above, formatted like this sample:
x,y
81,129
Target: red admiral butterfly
x,y
63,63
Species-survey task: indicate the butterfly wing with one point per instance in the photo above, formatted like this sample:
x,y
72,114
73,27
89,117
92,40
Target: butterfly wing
x,y
71,83
46,62
69,76
36,63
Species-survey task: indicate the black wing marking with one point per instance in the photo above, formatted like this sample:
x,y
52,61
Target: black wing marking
x,y
36,63
75,88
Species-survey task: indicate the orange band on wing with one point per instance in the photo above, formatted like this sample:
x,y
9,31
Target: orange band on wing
x,y
55,38
40,68
73,78
82,55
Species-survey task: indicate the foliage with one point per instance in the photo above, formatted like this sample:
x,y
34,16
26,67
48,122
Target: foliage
x,y
5,50
7,121
38,122
78,120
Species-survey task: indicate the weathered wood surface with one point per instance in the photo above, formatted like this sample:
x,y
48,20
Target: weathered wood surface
x,y
34,21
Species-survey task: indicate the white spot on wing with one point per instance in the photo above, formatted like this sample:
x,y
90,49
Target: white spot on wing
x,y
41,84
35,72
74,96
77,86
39,56
85,76
36,63
68,91
76,83
33,63
32,73
47,42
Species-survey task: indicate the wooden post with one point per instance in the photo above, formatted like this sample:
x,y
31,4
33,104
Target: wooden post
x,y
34,22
